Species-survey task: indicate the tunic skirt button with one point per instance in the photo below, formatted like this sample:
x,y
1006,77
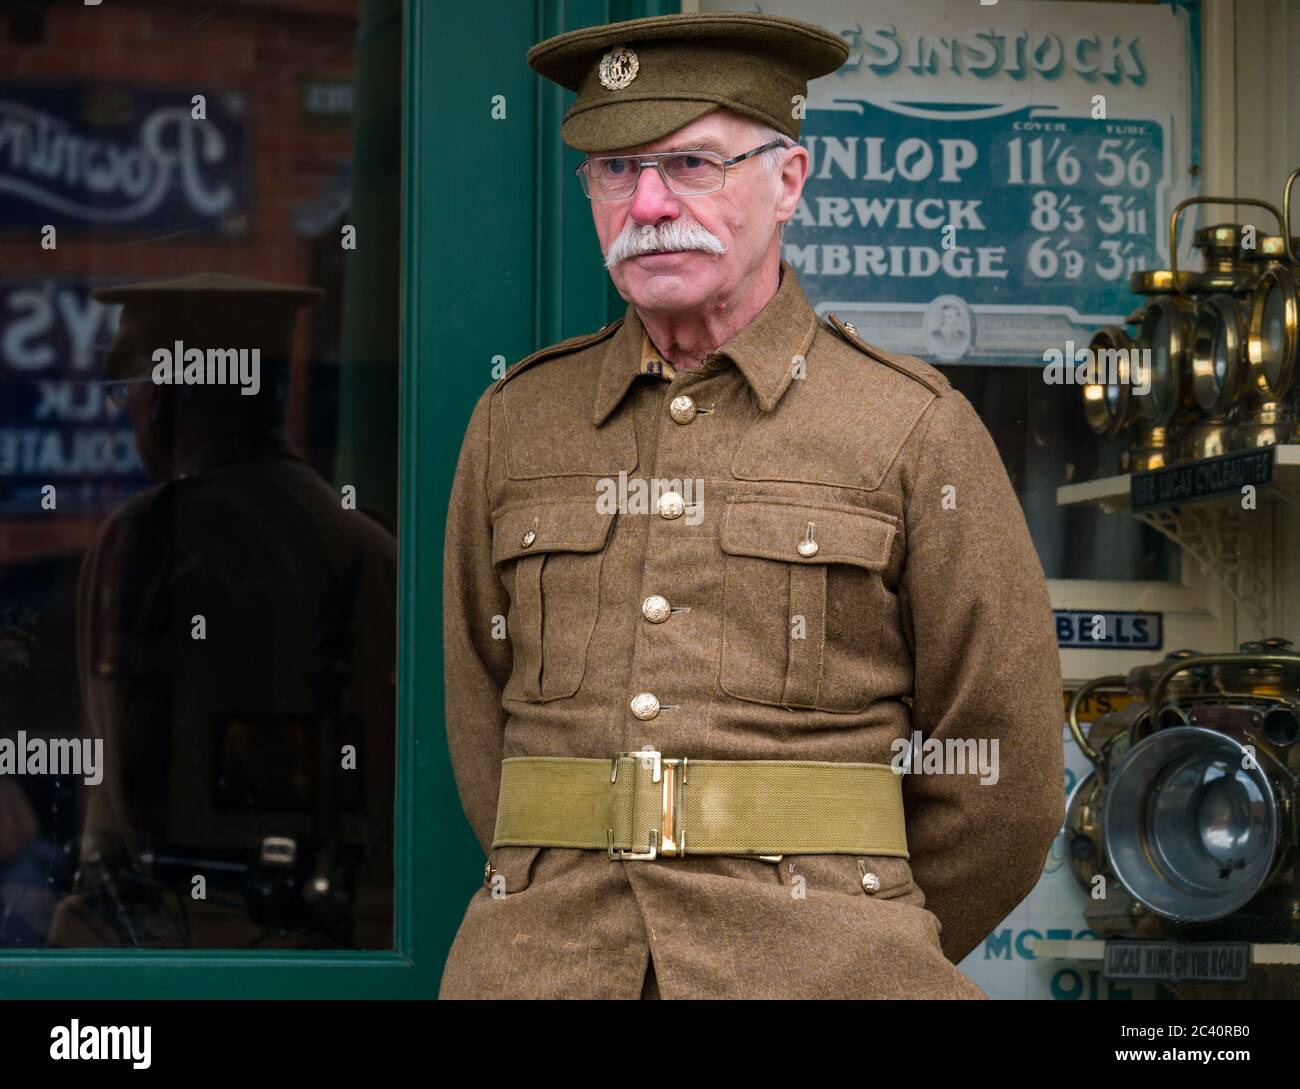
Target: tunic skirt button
x,y
645,705
655,609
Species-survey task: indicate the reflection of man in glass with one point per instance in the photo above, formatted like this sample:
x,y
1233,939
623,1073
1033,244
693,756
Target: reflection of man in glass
x,y
236,638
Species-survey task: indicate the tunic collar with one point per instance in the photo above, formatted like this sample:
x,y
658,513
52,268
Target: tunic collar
x,y
765,351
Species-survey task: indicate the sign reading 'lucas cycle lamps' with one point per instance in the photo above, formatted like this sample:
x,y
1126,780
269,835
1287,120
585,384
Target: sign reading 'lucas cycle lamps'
x,y
1221,345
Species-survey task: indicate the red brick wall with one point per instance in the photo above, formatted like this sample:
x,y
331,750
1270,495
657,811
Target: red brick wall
x,y
263,48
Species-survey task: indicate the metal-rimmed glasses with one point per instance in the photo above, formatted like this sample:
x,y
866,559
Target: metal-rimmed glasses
x,y
118,390
686,173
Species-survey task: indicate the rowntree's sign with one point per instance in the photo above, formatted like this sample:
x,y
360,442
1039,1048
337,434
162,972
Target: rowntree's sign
x,y
93,157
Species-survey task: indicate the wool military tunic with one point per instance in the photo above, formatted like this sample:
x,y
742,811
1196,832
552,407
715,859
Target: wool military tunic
x,y
922,608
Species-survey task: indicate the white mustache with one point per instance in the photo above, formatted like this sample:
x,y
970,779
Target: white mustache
x,y
670,237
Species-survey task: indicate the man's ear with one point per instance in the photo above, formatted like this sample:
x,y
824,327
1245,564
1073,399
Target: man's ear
x,y
794,172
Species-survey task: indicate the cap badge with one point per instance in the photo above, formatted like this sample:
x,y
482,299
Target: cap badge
x,y
618,68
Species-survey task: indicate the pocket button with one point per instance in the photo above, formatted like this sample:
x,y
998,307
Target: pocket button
x,y
870,883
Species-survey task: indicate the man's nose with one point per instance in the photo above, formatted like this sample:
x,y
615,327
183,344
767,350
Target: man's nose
x,y
652,200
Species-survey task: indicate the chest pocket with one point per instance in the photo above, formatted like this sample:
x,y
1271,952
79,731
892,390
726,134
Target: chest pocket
x,y
799,603
549,556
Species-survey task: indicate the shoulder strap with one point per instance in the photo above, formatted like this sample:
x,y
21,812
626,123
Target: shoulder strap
x,y
563,347
915,369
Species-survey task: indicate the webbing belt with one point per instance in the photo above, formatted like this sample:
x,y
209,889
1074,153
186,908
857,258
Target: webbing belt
x,y
640,805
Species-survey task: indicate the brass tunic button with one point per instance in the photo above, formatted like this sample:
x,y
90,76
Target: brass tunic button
x,y
682,409
488,871
671,505
655,609
645,705
528,538
870,883
851,328
808,547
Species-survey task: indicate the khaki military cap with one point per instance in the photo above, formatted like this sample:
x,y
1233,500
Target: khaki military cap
x,y
209,309
638,81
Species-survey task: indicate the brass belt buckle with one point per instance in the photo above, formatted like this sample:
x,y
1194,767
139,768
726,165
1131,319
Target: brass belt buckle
x,y
669,839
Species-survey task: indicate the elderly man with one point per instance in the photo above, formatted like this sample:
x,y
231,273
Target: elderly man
x,y
724,742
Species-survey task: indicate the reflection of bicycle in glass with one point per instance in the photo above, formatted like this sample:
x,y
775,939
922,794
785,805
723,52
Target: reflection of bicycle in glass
x,y
31,868
149,901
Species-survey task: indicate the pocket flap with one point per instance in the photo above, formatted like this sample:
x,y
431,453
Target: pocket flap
x,y
774,528
556,525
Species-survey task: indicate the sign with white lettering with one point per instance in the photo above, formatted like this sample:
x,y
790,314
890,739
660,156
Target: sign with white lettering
x,y
1108,629
57,425
89,156
984,180
1204,962
327,99
1207,478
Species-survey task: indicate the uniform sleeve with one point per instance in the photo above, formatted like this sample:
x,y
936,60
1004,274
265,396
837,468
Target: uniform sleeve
x,y
477,663
986,668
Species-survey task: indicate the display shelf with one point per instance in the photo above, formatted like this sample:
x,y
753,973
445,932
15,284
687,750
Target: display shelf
x,y
1085,949
1111,493
1210,530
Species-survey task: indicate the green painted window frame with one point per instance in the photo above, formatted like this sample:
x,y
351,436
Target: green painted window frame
x,y
518,258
